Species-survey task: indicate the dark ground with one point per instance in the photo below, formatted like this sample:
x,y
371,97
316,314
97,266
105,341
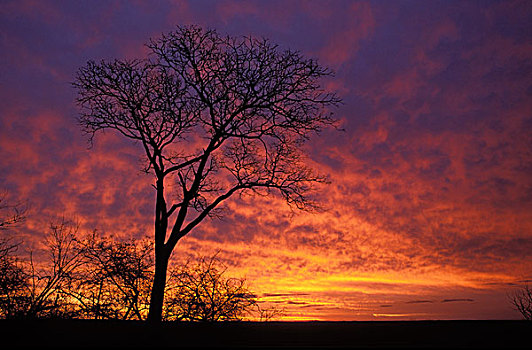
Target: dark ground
x,y
301,335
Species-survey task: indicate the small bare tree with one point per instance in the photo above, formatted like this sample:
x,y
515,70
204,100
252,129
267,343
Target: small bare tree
x,y
30,291
13,280
13,276
522,301
216,116
115,280
202,292
48,282
99,277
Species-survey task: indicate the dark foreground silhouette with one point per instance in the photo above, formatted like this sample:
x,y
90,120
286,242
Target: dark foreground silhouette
x,y
396,334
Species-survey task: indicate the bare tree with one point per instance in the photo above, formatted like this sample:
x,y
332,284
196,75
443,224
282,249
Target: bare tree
x,y
522,301
99,277
48,282
31,291
13,279
216,116
13,276
202,292
115,280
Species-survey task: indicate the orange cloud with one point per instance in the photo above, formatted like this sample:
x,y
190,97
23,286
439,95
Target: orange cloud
x,y
430,188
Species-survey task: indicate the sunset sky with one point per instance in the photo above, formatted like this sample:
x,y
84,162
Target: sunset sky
x,y
429,210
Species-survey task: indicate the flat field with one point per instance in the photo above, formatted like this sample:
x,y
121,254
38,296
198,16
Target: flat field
x,y
266,335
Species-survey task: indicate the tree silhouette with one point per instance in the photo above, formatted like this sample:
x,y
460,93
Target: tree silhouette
x,y
216,116
201,292
13,276
522,301
30,291
114,282
99,277
12,280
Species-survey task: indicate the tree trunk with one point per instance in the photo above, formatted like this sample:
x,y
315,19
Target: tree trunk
x,y
159,283
161,256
